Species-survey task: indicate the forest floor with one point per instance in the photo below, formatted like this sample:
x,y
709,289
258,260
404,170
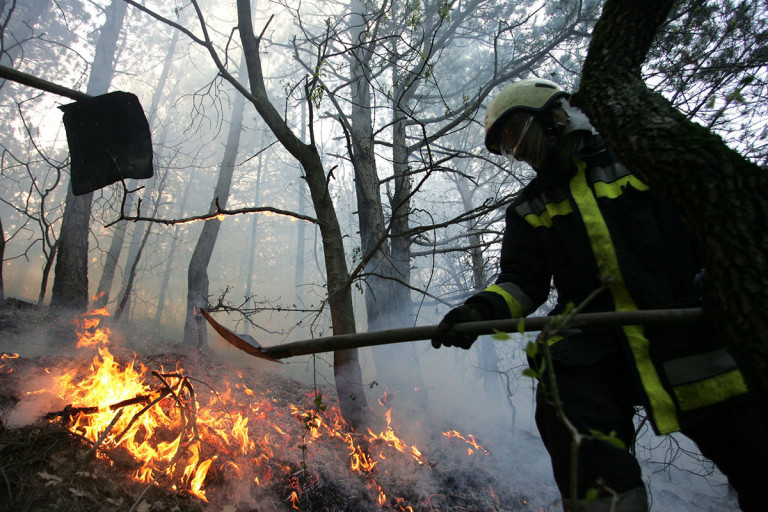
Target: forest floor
x,y
270,443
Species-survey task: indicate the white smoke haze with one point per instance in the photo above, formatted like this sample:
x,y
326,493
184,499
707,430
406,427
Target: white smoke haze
x,y
676,477
36,392
31,408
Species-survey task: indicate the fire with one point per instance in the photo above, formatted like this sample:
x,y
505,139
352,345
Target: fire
x,y
391,439
3,357
180,438
87,328
157,425
469,439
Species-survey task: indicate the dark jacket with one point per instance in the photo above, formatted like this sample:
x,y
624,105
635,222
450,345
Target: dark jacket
x,y
597,224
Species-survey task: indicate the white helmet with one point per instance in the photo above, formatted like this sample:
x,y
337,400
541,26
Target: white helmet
x,y
529,95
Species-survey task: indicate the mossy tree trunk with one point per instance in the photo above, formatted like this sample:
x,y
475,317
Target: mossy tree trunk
x,y
721,196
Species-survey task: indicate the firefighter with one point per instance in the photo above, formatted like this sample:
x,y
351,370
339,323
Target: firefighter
x,y
608,243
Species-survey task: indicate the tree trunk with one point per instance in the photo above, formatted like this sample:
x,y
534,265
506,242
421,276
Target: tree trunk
x,y
301,236
163,292
718,194
252,243
134,254
346,367
195,334
118,236
388,298
138,249
131,276
2,262
489,359
386,305
49,259
70,285
110,265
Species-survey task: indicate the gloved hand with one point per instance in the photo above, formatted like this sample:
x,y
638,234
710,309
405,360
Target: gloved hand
x,y
450,338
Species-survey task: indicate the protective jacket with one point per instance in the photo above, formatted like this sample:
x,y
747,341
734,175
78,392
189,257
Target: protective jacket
x,y
597,224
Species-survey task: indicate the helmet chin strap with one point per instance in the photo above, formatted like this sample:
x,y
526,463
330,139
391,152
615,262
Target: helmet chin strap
x,y
565,128
558,160
552,144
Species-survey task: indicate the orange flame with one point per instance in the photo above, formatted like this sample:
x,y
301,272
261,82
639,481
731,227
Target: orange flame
x,y
391,439
469,439
8,356
150,412
87,328
180,437
294,499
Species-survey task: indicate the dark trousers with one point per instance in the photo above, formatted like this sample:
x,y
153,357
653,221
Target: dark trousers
x,y
602,396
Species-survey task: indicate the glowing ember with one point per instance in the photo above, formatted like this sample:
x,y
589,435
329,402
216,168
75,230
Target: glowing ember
x,y
3,357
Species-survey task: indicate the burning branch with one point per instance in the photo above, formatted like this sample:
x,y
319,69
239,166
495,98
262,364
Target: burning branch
x,y
103,436
70,411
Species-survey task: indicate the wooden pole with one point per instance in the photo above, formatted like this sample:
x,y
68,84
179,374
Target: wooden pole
x,y
39,83
369,339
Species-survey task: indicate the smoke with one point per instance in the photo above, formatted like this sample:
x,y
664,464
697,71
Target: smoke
x,y
31,409
37,397
677,476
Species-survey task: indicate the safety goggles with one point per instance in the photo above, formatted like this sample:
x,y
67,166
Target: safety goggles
x,y
512,135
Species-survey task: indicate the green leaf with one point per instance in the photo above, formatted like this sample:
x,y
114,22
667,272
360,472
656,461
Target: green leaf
x,y
319,402
500,335
611,438
592,494
530,372
531,349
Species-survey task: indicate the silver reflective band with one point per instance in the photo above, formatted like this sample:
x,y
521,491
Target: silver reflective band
x,y
520,296
608,174
699,367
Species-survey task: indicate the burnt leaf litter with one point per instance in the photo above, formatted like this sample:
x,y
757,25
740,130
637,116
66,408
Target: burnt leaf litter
x,y
48,466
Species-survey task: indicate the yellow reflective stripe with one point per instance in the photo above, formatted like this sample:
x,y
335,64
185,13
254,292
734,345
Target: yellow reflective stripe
x,y
515,308
553,210
561,208
614,189
600,240
710,391
662,406
539,221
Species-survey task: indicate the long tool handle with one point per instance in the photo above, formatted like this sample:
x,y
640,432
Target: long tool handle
x,y
369,339
38,83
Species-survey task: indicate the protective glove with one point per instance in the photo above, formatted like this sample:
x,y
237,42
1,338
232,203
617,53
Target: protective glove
x,y
450,338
